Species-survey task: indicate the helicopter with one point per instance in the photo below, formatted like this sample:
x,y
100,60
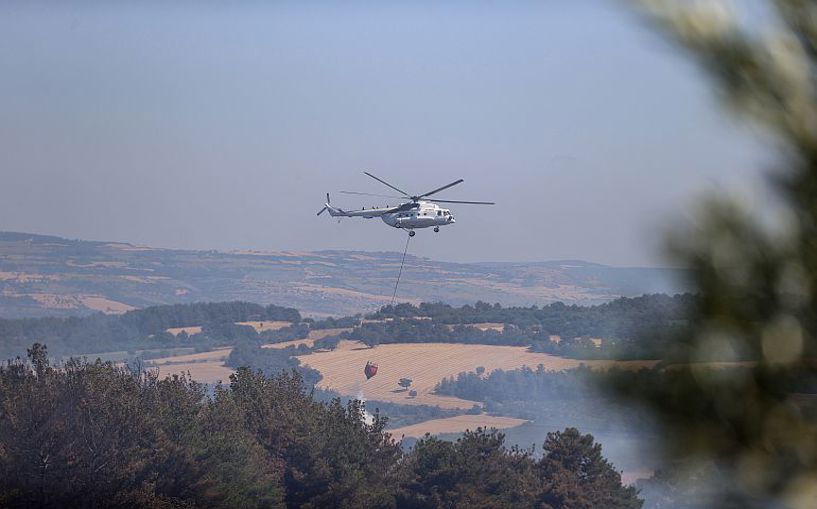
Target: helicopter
x,y
419,212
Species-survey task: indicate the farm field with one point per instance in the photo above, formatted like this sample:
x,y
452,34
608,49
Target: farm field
x,y
455,424
204,367
217,355
425,364
208,367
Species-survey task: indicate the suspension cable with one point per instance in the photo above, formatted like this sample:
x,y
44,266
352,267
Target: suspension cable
x,y
394,295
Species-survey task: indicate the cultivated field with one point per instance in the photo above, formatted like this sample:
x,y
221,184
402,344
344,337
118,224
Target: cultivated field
x,y
218,355
205,367
208,367
426,364
455,424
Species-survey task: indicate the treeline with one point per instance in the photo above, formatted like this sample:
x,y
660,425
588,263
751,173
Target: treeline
x,y
575,397
619,318
93,435
524,384
138,329
629,328
411,330
157,319
526,392
333,323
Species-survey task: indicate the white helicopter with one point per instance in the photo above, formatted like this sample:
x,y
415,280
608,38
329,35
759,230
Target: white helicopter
x,y
420,212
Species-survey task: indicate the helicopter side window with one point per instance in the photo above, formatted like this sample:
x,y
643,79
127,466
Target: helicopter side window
x,y
439,212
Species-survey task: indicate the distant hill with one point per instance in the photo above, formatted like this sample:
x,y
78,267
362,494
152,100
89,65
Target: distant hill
x,y
52,276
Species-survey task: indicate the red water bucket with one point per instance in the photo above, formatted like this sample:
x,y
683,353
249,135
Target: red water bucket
x,y
370,370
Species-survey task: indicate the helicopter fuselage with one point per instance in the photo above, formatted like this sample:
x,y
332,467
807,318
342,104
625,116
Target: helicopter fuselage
x,y
420,215
408,216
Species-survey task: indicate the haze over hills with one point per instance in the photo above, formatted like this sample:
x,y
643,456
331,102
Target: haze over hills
x,y
47,275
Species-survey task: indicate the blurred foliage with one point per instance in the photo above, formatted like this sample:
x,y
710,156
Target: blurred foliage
x,y
752,429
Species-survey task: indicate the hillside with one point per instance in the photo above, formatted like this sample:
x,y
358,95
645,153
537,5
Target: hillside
x,y
52,276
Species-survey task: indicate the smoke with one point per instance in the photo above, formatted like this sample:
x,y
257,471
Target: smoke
x,y
367,417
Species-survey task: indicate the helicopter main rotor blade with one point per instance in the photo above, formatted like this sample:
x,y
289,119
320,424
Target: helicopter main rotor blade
x,y
452,184
372,194
386,184
466,202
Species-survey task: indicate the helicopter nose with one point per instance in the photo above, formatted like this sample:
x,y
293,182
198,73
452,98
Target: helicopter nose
x,y
451,219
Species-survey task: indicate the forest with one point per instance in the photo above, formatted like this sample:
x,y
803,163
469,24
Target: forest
x,y
630,328
618,318
92,435
137,329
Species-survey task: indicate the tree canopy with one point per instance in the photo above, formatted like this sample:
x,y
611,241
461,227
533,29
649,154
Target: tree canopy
x,y
94,435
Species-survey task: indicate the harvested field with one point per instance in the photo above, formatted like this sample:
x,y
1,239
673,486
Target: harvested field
x,y
426,364
218,355
322,333
204,367
455,424
187,330
203,372
105,304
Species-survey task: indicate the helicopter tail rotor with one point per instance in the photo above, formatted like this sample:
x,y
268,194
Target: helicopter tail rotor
x,y
325,206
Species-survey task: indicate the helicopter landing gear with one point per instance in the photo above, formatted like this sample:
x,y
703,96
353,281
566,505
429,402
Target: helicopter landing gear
x,y
412,233
436,229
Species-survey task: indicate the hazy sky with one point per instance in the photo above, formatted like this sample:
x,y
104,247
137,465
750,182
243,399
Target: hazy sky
x,y
219,126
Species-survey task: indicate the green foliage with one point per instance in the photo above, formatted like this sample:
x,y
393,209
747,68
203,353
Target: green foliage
x,y
633,328
621,317
336,323
93,435
524,384
637,328
156,319
140,329
758,286
272,361
478,471
575,395
586,479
